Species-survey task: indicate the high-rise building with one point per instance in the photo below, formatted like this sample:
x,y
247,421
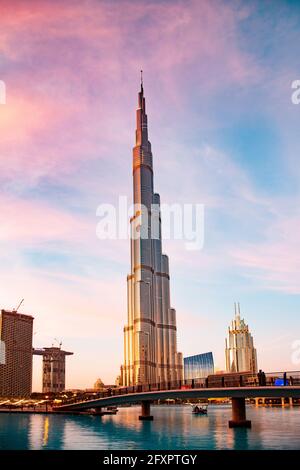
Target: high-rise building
x,y
16,354
240,351
150,336
54,368
199,366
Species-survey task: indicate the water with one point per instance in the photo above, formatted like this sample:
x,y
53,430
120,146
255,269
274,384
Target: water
x,y
173,428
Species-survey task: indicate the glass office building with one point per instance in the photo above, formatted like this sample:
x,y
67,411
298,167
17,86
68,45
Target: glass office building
x,y
199,366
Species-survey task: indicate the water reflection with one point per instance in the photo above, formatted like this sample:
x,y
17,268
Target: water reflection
x,y
174,427
46,431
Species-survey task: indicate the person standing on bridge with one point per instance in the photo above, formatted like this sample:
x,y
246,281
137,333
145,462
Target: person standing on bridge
x,y
262,382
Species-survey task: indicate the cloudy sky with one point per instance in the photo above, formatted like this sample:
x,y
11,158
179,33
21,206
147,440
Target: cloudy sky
x,y
224,133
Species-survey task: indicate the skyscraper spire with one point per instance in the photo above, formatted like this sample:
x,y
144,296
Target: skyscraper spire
x,y
237,310
142,149
141,103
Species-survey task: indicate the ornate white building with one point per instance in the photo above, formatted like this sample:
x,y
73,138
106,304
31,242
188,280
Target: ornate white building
x,y
150,336
240,351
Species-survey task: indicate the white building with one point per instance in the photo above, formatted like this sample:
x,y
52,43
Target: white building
x,y
240,351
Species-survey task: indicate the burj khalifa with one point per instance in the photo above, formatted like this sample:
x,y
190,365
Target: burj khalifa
x,y
150,336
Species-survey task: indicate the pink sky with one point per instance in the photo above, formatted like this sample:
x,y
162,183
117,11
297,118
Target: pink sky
x,y
211,71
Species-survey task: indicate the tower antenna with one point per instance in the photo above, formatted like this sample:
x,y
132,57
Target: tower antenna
x,y
58,342
141,79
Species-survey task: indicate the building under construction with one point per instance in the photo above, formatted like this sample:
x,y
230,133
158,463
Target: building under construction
x,y
54,368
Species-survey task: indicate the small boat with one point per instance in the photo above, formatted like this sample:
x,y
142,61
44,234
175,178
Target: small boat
x,y
199,410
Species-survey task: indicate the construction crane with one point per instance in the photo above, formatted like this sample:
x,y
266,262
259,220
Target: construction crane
x,y
16,309
58,342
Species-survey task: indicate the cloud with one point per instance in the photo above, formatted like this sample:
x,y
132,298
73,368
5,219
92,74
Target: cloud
x,y
75,309
245,227
68,66
72,74
275,261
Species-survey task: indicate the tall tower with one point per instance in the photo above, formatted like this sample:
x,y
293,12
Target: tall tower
x,y
150,336
16,354
240,351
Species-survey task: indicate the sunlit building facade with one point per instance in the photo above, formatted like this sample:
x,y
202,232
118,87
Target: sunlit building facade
x,y
199,366
16,354
240,351
150,336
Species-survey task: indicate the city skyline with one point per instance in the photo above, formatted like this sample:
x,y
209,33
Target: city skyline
x,y
222,124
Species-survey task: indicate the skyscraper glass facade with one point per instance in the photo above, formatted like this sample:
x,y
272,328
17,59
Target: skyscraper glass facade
x,y
150,335
199,366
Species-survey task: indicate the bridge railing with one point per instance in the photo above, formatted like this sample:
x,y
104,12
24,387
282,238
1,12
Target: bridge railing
x,y
283,378
247,379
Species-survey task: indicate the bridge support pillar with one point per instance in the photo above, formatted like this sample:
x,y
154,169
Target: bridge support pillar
x,y
146,416
239,414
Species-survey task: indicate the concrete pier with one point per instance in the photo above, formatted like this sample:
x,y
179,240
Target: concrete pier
x,y
239,414
146,416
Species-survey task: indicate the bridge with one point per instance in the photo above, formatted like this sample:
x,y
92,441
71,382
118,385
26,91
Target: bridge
x,y
237,395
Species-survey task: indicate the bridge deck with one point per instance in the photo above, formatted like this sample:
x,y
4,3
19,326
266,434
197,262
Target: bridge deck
x,y
236,392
